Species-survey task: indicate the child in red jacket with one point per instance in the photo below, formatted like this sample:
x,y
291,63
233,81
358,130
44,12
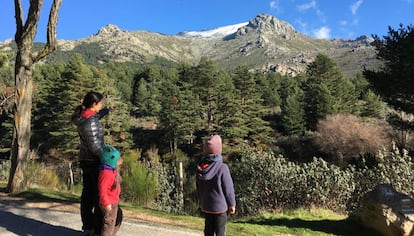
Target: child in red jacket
x,y
109,190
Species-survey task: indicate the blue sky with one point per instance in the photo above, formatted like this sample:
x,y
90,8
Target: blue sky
x,y
317,18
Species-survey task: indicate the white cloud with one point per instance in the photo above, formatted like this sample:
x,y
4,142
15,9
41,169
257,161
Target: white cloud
x,y
354,7
343,23
307,6
274,4
312,5
322,33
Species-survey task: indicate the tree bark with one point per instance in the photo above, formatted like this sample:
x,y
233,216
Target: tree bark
x,y
25,60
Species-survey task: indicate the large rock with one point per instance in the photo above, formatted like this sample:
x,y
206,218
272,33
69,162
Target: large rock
x,y
387,211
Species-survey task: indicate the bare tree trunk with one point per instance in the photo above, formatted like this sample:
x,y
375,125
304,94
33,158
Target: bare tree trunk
x,y
25,60
22,121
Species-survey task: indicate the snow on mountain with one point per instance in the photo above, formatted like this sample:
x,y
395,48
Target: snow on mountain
x,y
213,33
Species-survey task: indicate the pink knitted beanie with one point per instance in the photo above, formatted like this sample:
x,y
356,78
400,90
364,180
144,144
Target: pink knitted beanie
x,y
213,145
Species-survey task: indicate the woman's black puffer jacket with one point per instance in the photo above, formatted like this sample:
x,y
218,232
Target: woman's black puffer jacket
x,y
91,135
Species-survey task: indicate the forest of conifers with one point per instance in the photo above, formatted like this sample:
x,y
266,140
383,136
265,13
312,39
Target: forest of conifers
x,y
168,110
185,103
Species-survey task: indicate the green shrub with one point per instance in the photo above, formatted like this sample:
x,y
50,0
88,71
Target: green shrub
x,y
325,185
394,168
4,169
176,195
38,173
191,201
255,178
169,198
139,185
264,182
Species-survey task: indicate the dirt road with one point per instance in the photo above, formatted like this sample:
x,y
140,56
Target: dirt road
x,y
34,219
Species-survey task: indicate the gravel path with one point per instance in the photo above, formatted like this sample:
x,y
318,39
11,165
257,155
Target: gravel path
x,y
20,219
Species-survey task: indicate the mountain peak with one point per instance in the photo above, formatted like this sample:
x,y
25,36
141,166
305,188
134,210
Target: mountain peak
x,y
264,23
110,30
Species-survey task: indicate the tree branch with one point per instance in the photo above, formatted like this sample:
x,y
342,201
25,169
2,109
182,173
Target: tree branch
x,y
33,16
5,99
18,11
51,44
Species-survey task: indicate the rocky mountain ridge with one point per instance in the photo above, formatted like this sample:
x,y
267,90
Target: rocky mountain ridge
x,y
264,44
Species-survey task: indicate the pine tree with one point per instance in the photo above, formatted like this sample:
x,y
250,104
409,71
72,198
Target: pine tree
x,y
292,109
6,102
395,81
147,90
319,104
268,86
123,74
76,80
292,115
116,123
360,84
251,105
180,114
346,97
46,105
228,120
373,106
142,98
205,79
327,91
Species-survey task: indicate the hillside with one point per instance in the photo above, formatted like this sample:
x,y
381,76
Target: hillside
x,y
263,44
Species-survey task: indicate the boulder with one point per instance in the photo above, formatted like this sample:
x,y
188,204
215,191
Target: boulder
x,y
387,211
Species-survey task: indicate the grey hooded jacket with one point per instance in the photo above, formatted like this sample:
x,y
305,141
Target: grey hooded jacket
x,y
215,188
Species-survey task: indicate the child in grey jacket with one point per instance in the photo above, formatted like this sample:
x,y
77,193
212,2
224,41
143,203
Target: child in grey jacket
x,y
215,188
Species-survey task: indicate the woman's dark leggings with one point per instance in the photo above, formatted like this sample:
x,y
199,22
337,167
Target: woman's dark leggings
x,y
90,198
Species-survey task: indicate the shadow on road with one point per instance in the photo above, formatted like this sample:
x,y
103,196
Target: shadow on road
x,y
21,225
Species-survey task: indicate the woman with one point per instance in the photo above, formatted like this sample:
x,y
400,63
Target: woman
x,y
86,117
